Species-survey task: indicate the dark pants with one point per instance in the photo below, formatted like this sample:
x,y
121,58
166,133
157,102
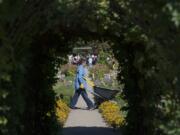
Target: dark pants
x,y
84,94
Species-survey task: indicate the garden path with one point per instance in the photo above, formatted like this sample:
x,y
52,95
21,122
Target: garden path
x,y
85,122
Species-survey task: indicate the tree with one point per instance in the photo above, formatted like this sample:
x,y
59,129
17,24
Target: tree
x,y
146,45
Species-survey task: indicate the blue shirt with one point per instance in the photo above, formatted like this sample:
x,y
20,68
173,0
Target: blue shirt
x,y
80,77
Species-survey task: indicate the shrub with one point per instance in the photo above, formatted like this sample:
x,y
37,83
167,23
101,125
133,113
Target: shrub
x,y
112,114
99,70
63,91
68,69
62,111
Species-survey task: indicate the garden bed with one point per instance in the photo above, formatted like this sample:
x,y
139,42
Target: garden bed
x,y
62,111
112,114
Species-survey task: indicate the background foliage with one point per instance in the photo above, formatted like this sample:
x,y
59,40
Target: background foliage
x,y
35,35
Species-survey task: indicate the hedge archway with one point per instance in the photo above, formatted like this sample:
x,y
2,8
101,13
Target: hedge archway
x,y
35,39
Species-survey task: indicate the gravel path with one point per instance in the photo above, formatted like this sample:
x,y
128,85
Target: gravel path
x,y
85,122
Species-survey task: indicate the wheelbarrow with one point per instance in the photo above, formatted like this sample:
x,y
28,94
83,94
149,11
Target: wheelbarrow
x,y
101,94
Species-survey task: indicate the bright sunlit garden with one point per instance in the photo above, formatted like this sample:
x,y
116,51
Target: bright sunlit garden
x,y
89,67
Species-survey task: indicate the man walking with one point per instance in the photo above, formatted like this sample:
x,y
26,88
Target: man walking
x,y
81,86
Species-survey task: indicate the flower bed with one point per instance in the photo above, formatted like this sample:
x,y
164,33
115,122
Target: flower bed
x,y
112,114
62,111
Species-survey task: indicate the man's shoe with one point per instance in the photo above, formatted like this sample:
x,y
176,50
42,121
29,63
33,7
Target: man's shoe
x,y
73,107
92,108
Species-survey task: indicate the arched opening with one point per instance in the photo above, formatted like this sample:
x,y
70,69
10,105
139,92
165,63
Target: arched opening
x,y
32,48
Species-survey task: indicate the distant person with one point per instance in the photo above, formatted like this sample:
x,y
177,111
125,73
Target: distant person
x,y
95,60
78,58
81,86
92,56
75,59
70,58
90,61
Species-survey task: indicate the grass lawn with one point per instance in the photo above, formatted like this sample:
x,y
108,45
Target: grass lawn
x,y
64,88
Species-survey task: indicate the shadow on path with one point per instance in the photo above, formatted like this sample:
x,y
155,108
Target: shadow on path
x,y
89,131
80,108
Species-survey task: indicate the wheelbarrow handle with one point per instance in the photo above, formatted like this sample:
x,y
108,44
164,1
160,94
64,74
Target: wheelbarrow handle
x,y
91,83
